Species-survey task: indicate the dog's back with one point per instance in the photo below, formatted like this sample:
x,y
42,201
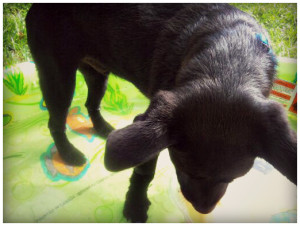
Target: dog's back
x,y
120,36
144,43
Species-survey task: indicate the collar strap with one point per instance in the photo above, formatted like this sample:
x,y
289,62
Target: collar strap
x,y
261,37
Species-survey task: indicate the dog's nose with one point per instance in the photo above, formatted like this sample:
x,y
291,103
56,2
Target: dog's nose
x,y
204,209
201,208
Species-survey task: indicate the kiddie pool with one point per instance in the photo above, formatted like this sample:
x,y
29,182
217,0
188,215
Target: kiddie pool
x,y
39,187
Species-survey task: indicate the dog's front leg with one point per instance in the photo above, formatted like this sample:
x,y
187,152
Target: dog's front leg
x,y
137,202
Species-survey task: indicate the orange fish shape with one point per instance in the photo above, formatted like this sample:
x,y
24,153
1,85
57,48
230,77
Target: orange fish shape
x,y
80,124
55,168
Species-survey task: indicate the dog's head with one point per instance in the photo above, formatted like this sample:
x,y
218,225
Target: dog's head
x,y
211,140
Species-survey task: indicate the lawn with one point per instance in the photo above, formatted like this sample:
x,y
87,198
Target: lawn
x,y
15,49
279,19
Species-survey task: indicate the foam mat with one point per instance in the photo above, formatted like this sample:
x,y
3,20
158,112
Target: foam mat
x,y
39,187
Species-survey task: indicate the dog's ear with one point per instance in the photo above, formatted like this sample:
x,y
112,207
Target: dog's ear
x,y
279,141
142,140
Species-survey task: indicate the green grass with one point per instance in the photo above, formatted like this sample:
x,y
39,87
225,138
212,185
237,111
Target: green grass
x,y
15,82
279,19
15,49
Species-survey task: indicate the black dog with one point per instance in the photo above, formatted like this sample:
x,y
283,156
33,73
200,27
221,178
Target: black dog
x,y
208,70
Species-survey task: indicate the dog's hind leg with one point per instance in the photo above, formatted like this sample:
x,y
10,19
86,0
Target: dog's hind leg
x,y
137,202
96,83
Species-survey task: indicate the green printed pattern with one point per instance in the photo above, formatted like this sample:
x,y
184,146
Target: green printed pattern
x,y
15,82
115,101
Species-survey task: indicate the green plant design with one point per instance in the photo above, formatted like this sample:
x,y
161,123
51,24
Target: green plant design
x,y
17,155
15,82
6,119
115,101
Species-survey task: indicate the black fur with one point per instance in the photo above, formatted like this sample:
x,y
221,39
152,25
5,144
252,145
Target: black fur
x,y
208,76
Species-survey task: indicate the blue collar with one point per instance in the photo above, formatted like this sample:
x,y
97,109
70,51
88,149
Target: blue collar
x,y
261,37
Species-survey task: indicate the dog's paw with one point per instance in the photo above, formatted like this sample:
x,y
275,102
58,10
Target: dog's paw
x,y
135,210
72,156
103,129
136,205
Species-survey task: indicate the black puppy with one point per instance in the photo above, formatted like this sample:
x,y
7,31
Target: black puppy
x,y
208,70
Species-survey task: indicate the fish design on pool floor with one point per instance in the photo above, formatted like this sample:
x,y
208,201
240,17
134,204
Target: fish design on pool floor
x,y
55,168
80,124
